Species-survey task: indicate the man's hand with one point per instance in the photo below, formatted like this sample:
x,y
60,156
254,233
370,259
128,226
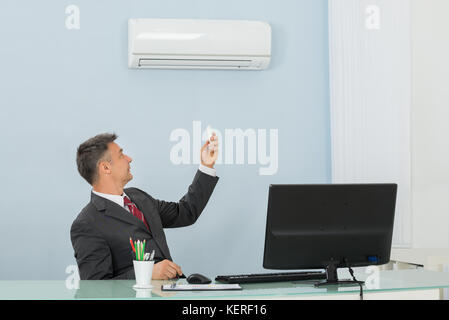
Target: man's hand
x,y
165,270
209,152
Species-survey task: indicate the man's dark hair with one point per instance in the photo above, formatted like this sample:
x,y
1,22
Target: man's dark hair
x,y
90,152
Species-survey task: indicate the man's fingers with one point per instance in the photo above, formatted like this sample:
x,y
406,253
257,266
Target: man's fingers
x,y
170,272
166,276
214,146
213,142
173,269
176,267
205,145
167,269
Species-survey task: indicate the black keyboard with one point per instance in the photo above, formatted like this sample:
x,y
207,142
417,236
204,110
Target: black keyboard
x,y
272,277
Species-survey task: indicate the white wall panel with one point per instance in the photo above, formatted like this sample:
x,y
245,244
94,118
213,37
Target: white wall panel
x,y
370,93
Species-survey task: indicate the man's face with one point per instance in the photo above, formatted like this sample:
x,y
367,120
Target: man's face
x,y
120,168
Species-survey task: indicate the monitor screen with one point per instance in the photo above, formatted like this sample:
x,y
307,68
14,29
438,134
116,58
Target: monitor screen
x,y
309,226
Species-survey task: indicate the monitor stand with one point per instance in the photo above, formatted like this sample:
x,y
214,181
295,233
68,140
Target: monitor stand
x,y
332,277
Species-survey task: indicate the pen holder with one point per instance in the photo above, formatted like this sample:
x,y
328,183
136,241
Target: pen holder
x,y
143,271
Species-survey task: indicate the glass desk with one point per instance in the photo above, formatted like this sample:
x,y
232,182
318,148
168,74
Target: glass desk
x,y
391,284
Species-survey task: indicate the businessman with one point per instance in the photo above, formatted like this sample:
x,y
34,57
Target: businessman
x,y
100,233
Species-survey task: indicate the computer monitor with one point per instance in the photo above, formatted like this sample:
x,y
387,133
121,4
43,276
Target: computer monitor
x,y
329,226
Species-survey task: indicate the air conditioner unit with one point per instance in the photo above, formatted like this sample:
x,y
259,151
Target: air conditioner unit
x,y
198,44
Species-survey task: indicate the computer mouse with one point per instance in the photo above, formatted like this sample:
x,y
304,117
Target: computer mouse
x,y
196,278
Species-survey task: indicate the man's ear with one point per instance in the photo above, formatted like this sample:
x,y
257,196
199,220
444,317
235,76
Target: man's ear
x,y
104,167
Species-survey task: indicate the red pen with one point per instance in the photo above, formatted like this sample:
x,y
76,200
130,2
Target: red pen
x,y
132,245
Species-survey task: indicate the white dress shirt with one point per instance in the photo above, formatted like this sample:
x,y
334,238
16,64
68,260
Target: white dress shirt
x,y
210,171
114,198
120,199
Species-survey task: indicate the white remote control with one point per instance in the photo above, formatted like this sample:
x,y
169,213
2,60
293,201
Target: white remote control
x,y
209,133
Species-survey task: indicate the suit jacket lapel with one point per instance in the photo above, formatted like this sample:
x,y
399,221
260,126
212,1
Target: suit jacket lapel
x,y
115,211
149,210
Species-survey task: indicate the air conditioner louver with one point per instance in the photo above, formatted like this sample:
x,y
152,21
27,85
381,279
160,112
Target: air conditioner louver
x,y
192,63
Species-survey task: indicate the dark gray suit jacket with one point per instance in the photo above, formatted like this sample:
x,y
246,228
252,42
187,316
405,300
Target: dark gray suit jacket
x,y
100,234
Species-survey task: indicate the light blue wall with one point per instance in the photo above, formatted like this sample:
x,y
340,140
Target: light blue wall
x,y
60,87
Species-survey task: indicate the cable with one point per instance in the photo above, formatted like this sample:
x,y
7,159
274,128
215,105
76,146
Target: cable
x,y
354,279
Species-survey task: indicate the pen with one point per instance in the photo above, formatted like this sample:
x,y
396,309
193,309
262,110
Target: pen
x,y
141,250
138,249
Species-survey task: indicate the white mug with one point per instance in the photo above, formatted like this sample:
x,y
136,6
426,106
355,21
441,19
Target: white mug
x,y
143,271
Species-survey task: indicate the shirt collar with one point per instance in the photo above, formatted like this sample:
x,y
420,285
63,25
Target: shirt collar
x,y
118,199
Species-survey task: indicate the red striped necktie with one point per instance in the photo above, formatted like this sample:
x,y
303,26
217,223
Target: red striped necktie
x,y
135,211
